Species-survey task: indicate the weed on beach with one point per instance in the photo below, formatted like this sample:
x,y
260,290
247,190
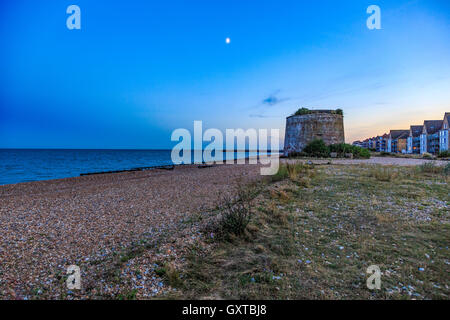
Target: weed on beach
x,y
317,242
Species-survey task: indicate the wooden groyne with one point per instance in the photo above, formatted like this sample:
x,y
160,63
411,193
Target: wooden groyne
x,y
164,167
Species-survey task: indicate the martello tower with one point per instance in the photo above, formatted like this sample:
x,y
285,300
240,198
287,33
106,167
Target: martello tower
x,y
307,125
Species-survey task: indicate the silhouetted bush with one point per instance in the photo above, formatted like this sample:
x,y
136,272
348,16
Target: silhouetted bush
x,y
342,148
317,148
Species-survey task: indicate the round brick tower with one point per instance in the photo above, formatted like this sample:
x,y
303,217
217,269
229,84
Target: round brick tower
x,y
327,125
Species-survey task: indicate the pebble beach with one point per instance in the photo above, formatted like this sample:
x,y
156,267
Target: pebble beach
x,y
89,221
46,226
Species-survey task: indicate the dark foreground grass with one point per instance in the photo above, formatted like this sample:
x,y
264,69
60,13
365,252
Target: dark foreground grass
x,y
314,231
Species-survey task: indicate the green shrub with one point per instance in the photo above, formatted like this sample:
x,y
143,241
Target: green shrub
x,y
427,155
302,111
317,148
235,217
361,153
236,212
342,148
444,154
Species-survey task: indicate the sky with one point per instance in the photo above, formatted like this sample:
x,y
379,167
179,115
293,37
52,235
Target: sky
x,y
137,70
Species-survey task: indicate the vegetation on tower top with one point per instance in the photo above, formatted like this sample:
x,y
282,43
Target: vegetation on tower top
x,y
303,111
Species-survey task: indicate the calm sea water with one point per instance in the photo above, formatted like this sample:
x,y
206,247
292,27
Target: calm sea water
x,y
22,165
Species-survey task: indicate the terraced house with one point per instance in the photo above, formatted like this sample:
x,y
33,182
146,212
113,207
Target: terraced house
x,y
432,137
372,143
413,141
397,141
381,143
429,139
444,143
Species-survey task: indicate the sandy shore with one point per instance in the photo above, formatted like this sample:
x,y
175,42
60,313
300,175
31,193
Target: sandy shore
x,y
46,226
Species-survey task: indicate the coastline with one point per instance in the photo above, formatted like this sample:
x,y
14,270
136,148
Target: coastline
x,y
34,175
47,225
89,221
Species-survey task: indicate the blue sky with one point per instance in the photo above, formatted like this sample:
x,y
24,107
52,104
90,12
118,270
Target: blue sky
x,y
137,70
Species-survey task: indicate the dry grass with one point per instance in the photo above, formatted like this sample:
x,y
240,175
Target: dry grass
x,y
385,174
298,172
316,242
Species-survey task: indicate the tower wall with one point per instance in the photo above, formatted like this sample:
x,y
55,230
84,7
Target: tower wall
x,y
302,129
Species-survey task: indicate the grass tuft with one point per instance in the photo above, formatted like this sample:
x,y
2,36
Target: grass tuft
x,y
384,174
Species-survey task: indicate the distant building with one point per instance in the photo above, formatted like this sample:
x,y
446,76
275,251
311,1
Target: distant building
x,y
372,143
444,142
365,144
397,141
429,139
432,137
377,143
413,141
381,143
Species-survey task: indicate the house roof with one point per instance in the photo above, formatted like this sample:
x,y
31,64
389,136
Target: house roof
x,y
447,117
399,134
432,126
416,131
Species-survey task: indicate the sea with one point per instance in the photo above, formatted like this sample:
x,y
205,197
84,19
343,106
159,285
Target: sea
x,y
24,165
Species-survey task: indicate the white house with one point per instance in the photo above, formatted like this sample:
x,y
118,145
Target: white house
x,y
429,139
413,140
444,133
423,143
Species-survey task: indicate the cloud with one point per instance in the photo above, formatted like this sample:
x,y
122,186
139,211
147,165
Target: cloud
x,y
273,99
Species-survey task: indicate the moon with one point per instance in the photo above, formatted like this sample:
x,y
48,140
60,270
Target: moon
x,y
227,40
